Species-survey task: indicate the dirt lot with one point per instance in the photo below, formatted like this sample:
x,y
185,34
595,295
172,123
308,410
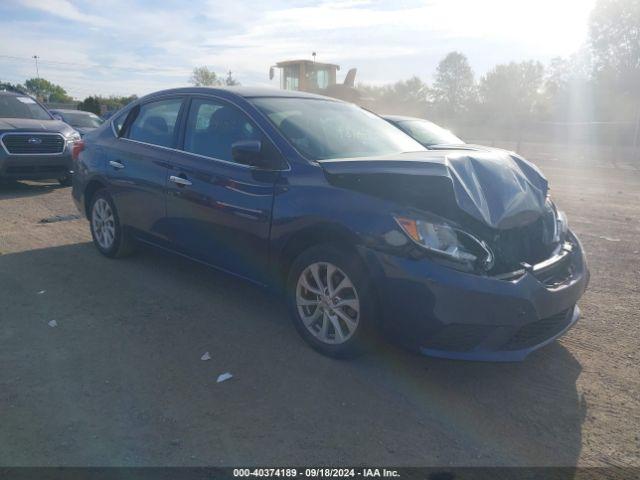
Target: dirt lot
x,y
119,381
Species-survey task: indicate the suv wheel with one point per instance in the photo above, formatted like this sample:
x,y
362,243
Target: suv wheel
x,y
330,300
109,237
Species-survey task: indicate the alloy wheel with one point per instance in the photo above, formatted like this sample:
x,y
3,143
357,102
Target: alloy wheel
x,y
327,303
103,223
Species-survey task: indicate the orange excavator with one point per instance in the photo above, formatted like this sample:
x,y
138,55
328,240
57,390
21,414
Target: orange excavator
x,y
315,77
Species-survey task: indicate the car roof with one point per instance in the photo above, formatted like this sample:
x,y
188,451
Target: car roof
x,y
245,92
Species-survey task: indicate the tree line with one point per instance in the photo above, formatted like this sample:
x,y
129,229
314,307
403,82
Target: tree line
x,y
600,84
50,93
40,88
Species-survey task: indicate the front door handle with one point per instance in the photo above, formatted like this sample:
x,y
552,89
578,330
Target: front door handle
x,y
180,181
115,164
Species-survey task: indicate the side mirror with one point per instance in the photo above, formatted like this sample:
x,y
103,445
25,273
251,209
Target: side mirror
x,y
248,152
57,116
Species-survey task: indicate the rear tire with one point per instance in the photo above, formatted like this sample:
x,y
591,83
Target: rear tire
x,y
331,302
109,236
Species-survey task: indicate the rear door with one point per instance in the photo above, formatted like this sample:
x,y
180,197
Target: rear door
x,y
219,211
137,165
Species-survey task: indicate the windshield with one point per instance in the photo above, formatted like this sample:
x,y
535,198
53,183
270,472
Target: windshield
x,y
21,107
324,129
82,119
428,133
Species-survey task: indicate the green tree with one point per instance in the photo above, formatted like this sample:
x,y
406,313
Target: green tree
x,y
11,87
408,97
90,104
95,103
454,89
512,92
567,90
413,90
614,37
44,89
203,77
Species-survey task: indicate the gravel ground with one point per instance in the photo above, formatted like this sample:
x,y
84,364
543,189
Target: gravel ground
x,y
119,380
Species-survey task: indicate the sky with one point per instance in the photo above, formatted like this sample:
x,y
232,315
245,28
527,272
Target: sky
x,y
122,47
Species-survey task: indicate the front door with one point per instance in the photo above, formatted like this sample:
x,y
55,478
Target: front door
x,y
219,211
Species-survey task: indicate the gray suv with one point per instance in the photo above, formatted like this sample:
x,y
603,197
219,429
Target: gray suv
x,y
33,145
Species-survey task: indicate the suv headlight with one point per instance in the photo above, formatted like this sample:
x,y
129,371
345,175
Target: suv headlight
x,y
74,137
448,242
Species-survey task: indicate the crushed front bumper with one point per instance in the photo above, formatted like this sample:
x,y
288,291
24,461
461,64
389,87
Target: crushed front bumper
x,y
450,314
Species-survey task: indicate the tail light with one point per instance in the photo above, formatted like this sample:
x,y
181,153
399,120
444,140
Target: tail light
x,y
76,149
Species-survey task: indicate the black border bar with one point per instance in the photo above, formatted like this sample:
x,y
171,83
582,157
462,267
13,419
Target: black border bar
x,y
320,473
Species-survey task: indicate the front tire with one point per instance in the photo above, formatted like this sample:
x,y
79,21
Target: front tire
x,y
109,237
331,302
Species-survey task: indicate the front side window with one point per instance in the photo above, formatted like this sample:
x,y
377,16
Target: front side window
x,y
156,122
18,106
325,129
214,126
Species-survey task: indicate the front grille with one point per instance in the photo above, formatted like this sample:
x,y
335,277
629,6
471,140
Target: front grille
x,y
537,332
521,244
529,243
33,143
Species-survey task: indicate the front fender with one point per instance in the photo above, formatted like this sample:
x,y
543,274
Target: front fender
x,y
309,210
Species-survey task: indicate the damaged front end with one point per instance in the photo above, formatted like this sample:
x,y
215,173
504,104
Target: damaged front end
x,y
476,263
486,212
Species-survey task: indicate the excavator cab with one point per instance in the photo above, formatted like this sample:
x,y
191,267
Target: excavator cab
x,y
316,77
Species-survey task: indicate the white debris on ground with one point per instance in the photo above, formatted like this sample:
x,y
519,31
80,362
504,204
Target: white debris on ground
x,y
205,356
41,292
224,376
53,324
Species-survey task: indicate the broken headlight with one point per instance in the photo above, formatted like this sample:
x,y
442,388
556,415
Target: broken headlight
x,y
556,224
448,242
563,224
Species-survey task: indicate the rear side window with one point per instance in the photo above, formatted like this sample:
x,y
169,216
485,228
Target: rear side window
x,y
156,122
213,126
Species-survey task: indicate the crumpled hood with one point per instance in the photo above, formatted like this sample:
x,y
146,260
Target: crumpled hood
x,y
498,188
30,125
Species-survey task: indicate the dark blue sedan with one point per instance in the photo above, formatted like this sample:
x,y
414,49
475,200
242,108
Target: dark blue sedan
x,y
458,252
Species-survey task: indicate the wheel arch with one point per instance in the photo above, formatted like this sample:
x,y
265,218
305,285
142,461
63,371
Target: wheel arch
x,y
317,234
89,191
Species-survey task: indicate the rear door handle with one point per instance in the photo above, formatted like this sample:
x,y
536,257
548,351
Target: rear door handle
x,y
183,182
115,164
